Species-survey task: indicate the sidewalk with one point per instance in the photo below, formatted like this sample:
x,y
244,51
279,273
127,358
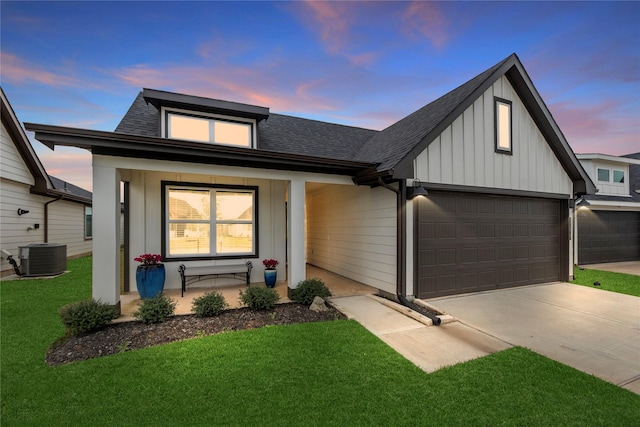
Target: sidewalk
x,y
428,347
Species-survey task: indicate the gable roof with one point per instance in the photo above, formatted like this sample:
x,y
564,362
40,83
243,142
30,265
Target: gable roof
x,y
395,147
45,185
309,143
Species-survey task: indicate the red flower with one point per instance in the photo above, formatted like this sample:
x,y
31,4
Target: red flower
x,y
149,259
270,264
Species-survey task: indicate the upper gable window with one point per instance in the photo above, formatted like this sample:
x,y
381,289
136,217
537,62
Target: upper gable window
x,y
603,175
618,177
503,126
214,130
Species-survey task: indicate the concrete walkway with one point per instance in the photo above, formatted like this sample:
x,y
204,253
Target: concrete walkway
x,y
428,347
626,267
592,330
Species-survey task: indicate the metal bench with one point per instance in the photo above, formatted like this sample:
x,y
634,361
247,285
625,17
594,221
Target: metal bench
x,y
190,275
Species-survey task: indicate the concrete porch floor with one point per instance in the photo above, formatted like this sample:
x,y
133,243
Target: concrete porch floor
x,y
339,286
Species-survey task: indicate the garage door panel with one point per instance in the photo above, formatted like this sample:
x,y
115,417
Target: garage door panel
x,y
499,242
608,236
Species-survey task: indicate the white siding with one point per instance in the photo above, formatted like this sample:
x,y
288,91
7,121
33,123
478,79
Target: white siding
x,y
464,153
352,231
66,226
607,188
12,166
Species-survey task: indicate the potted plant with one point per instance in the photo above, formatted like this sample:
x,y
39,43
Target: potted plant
x,y
150,275
270,272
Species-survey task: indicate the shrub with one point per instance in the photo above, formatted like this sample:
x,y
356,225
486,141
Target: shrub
x,y
208,305
307,290
259,298
156,309
87,315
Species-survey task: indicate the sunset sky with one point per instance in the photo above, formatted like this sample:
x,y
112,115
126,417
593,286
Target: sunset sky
x,y
364,64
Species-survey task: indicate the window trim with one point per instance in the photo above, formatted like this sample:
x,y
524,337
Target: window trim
x,y
88,236
496,102
613,176
164,185
598,169
164,123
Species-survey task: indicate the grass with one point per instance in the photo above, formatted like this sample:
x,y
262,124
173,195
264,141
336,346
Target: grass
x,y
332,373
614,282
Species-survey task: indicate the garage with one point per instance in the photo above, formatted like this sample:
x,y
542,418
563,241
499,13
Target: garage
x,y
467,242
608,236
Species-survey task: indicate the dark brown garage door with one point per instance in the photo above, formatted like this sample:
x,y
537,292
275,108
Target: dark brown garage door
x,y
475,242
608,236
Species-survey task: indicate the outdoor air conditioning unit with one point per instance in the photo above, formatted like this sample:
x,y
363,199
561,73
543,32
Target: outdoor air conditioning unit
x,y
43,259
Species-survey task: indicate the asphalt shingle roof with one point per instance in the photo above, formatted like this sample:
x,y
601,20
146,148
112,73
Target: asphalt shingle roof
x,y
142,119
66,187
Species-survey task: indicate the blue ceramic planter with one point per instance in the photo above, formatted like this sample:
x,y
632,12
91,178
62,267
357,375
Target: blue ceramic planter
x,y
270,277
150,280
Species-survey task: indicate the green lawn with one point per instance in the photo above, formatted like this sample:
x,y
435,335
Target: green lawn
x,y
615,282
333,373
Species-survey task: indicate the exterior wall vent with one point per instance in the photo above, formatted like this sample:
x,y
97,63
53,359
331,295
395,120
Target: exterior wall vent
x,y
43,259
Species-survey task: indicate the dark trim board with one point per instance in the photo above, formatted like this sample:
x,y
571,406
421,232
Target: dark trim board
x,y
470,242
496,191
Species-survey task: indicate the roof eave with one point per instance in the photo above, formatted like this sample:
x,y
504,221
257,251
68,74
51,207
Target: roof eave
x,y
126,145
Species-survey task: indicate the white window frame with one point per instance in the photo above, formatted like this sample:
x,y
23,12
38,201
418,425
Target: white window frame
x,y
166,111
611,175
213,221
605,170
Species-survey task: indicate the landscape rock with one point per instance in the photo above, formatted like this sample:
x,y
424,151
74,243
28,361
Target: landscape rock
x,y
318,305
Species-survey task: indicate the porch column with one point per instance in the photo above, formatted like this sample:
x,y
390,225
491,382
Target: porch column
x,y
106,235
296,233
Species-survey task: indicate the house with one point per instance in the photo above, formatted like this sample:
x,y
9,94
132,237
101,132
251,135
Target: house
x,y
500,176
608,223
36,207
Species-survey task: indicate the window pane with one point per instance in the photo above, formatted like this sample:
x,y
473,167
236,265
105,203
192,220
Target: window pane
x,y
618,176
234,238
603,175
504,126
232,133
193,128
88,222
234,206
189,238
189,204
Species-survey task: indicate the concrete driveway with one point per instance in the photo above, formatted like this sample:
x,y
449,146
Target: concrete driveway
x,y
626,267
592,330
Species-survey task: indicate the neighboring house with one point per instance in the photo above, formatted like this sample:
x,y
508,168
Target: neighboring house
x,y
500,175
608,223
58,212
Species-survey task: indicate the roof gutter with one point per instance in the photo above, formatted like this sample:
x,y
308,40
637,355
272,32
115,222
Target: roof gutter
x,y
401,250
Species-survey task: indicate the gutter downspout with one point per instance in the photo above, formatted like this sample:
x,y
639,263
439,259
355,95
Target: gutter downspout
x,y
46,218
401,254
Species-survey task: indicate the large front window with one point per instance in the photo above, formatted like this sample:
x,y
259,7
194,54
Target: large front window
x,y
208,129
209,221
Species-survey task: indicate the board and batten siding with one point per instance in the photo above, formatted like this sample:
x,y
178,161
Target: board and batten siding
x,y
607,188
351,231
464,153
146,223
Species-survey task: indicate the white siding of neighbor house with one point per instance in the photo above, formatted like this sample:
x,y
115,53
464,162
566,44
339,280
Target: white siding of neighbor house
x,y
12,167
607,188
352,231
66,226
464,153
66,219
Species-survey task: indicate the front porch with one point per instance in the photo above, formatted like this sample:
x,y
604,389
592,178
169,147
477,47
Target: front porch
x,y
338,285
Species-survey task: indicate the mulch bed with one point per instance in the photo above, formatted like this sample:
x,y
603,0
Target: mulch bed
x,y
120,337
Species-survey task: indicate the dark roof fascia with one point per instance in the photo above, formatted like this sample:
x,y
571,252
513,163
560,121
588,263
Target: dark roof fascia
x,y
22,144
406,163
159,98
127,145
518,77
538,110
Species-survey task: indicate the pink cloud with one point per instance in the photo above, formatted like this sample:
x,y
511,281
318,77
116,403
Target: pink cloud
x,y
596,128
69,164
426,19
332,19
18,71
